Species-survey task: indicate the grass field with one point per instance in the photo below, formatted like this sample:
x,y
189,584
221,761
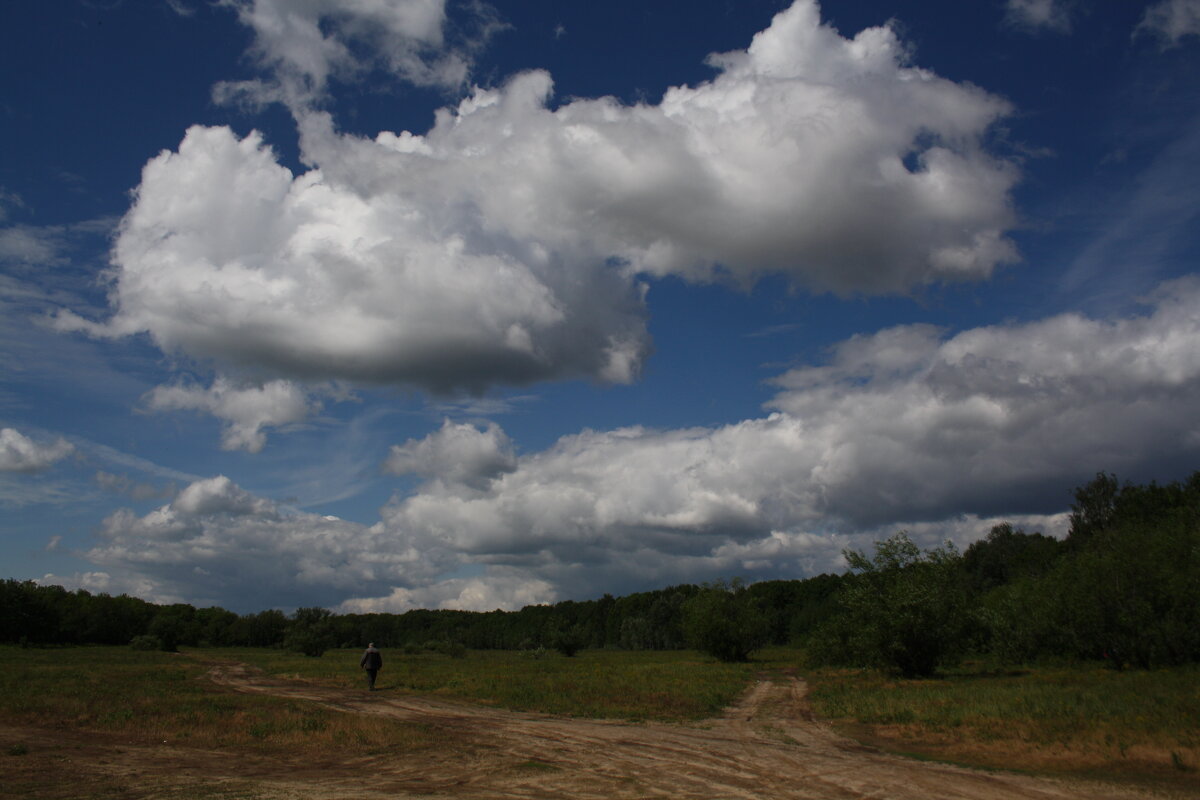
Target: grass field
x,y
161,697
603,684
1080,718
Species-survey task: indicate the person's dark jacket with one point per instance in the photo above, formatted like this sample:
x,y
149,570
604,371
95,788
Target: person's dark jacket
x,y
371,659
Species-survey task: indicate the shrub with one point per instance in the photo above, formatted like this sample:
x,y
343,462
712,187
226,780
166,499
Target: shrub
x,y
903,611
569,641
722,621
145,642
309,642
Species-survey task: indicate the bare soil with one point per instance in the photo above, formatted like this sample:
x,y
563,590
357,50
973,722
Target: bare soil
x,y
766,746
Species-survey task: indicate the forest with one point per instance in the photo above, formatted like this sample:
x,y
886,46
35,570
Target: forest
x,y
1122,587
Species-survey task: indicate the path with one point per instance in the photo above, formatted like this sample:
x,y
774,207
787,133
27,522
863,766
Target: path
x,y
767,746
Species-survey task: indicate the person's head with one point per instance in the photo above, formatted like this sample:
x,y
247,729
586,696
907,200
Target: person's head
x,y
370,644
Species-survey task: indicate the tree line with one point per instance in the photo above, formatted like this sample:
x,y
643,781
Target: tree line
x,y
37,615
1124,586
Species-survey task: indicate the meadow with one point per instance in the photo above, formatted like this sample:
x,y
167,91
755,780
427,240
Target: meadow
x,y
663,685
1072,719
1081,719
152,697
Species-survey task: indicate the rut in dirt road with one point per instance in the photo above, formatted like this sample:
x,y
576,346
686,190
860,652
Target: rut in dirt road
x,y
766,746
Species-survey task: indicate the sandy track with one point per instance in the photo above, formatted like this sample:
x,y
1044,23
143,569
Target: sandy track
x,y
767,746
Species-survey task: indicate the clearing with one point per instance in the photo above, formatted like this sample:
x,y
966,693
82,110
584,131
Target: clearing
x,y
768,745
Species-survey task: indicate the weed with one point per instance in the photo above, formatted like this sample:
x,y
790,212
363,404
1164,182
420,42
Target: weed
x,y
18,749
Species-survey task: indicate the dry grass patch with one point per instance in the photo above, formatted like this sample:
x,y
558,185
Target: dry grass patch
x,y
161,698
1075,720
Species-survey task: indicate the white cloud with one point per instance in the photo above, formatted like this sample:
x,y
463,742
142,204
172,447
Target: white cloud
x,y
9,200
908,428
245,409
220,495
225,256
31,245
123,484
181,8
458,454
216,542
503,245
19,453
503,589
906,423
305,43
1039,14
98,581
1171,20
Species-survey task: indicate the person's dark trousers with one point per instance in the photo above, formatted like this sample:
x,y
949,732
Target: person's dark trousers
x,y
371,673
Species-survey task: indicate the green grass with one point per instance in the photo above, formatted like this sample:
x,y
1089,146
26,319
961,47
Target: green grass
x,y
157,697
1078,717
603,684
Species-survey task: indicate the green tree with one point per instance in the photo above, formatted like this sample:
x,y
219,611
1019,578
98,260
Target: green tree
x,y
902,610
723,621
310,631
1094,509
1129,590
568,640
1006,554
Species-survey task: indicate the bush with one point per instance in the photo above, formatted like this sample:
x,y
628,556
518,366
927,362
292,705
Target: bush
x,y
902,611
445,647
722,621
145,642
568,641
310,632
311,643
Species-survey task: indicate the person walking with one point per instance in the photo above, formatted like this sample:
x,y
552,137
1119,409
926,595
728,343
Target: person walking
x,y
371,661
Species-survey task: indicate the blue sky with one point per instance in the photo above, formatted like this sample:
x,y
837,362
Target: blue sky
x,y
381,304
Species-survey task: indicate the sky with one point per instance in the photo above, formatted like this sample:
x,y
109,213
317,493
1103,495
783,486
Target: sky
x,y
384,304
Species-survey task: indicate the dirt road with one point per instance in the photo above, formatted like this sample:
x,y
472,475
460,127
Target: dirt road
x,y
767,746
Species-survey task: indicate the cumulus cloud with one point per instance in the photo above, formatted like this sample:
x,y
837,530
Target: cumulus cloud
x,y
908,423
1171,20
1039,14
505,244
246,410
19,453
907,428
458,454
216,540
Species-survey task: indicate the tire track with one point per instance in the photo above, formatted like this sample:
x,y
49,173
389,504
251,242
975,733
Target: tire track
x,y
768,745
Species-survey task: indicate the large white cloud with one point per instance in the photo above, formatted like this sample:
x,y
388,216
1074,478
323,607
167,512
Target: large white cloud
x,y
504,245
19,453
907,423
216,542
905,428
